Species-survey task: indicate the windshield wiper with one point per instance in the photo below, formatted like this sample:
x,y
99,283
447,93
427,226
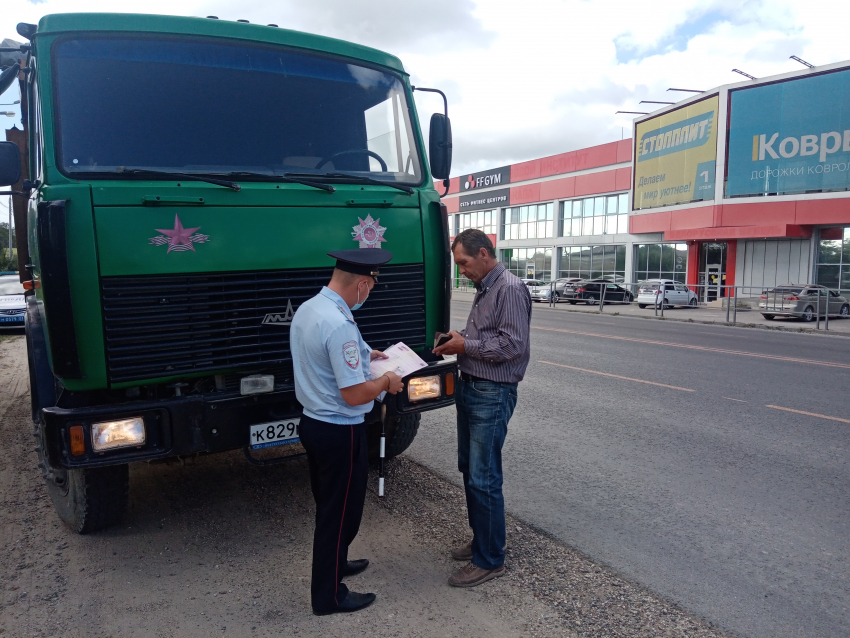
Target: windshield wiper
x,y
283,178
355,179
184,176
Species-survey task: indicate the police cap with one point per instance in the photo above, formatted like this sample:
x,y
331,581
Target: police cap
x,y
361,261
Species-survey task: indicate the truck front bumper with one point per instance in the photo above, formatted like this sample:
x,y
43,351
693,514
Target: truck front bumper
x,y
206,423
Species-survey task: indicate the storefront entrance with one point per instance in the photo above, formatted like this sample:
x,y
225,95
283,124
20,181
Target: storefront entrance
x,y
712,271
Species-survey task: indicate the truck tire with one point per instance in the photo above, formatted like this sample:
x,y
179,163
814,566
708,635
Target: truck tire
x,y
400,434
86,500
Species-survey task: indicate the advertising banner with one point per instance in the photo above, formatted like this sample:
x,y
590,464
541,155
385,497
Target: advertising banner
x,y
485,179
482,201
675,156
790,137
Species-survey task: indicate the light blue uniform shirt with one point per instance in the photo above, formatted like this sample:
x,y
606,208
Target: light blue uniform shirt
x,y
328,353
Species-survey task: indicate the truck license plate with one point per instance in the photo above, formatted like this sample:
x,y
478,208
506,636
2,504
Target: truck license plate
x,y
280,432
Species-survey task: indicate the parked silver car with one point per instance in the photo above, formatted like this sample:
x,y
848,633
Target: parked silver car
x,y
13,307
804,301
541,292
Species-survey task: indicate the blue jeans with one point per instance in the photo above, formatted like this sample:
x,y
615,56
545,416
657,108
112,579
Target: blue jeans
x,y
483,411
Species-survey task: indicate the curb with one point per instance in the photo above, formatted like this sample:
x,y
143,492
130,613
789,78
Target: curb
x,y
756,326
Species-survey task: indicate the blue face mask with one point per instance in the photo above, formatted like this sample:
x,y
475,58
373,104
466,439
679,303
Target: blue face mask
x,y
359,303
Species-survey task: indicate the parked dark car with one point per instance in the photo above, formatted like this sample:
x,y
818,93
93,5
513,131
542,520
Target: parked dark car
x,y
590,292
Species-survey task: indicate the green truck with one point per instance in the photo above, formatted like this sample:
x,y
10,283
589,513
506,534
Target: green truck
x,y
181,181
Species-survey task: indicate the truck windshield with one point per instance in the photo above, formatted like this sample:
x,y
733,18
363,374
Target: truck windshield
x,y
197,106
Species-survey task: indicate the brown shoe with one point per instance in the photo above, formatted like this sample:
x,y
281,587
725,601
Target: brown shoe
x,y
463,553
470,575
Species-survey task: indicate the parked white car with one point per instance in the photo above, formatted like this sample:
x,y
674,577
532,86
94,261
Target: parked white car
x,y
13,306
652,291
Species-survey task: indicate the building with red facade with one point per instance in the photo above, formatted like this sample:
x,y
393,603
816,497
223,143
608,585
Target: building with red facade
x,y
747,184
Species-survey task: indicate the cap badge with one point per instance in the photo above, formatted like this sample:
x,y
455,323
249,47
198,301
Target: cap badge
x,y
369,232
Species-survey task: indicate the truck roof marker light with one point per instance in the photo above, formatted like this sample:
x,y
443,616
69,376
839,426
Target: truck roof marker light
x,y
78,440
212,17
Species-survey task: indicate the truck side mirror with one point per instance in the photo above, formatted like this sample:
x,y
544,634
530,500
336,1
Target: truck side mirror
x,y
440,146
8,77
10,164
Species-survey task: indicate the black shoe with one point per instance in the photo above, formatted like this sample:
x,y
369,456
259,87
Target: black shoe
x,y
352,602
354,567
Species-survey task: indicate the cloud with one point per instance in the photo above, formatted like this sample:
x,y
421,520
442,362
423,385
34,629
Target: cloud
x,y
538,77
415,25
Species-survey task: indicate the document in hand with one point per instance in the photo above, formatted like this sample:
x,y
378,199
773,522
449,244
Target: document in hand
x,y
402,360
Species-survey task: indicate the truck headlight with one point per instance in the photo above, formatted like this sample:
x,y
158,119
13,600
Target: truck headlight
x,y
110,435
420,388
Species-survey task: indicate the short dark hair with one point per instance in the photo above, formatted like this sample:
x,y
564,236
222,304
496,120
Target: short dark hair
x,y
473,240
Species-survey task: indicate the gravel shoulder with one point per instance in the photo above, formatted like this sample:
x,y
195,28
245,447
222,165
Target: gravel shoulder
x,y
219,547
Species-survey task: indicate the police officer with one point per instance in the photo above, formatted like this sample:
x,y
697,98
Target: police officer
x,y
333,384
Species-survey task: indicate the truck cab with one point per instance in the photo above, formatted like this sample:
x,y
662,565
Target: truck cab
x,y
183,180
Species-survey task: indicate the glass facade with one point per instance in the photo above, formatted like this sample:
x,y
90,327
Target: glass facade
x,y
833,258
484,220
593,262
661,261
529,222
606,215
529,263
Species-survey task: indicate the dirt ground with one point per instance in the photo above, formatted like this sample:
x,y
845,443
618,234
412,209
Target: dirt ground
x,y
220,547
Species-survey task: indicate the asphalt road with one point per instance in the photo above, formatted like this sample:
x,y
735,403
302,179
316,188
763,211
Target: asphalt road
x,y
652,447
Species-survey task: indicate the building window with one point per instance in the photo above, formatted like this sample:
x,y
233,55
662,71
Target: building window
x,y
529,222
484,220
451,219
833,259
661,261
529,263
606,215
593,262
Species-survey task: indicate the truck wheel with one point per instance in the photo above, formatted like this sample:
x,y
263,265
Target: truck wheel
x,y
400,434
86,500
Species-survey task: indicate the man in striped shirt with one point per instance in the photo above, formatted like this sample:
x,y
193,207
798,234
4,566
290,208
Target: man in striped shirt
x,y
493,354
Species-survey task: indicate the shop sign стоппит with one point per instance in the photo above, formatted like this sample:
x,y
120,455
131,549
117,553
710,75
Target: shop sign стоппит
x,y
790,137
675,156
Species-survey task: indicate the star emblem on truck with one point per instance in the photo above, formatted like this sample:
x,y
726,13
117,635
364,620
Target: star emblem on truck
x,y
179,238
369,232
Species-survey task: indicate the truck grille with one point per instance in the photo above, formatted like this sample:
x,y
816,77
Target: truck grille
x,y
166,325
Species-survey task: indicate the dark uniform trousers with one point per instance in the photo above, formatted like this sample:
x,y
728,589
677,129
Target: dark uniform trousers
x,y
339,467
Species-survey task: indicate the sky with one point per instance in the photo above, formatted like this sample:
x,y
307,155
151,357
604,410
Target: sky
x,y
530,78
